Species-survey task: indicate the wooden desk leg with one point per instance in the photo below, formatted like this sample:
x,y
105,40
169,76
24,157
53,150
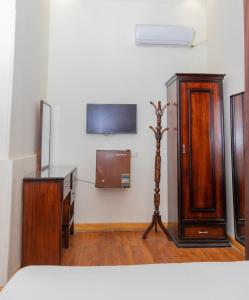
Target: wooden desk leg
x,y
66,237
72,229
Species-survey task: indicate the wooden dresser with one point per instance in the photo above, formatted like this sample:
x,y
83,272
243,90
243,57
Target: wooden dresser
x,y
196,169
48,215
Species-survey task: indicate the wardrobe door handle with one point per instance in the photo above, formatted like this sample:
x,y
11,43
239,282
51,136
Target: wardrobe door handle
x,y
183,149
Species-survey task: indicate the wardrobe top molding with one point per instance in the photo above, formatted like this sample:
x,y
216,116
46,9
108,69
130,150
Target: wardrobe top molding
x,y
194,77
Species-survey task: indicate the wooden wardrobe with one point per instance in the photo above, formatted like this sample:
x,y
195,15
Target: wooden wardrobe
x,y
196,172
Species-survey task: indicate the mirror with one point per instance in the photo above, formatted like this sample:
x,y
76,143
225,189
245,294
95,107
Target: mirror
x,y
238,161
43,156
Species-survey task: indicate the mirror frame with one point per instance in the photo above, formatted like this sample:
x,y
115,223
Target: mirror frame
x,y
238,185
246,122
39,151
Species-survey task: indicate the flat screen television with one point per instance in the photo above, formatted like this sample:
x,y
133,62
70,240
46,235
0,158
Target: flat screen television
x,y
111,118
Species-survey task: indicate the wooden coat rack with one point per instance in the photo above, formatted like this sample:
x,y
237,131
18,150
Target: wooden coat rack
x,y
159,132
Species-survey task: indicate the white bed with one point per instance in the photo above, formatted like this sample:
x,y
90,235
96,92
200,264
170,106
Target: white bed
x,y
202,281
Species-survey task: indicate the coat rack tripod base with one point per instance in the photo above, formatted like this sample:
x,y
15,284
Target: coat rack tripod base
x,y
158,132
156,220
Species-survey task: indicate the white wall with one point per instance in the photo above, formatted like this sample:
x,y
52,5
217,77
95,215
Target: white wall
x,y
5,211
27,86
7,27
30,74
93,58
226,55
20,168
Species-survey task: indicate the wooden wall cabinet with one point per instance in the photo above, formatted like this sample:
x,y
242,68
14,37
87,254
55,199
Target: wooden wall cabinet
x,y
238,164
113,168
196,172
48,215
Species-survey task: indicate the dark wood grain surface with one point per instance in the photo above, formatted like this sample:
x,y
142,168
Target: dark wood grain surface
x,y
202,164
110,165
42,230
196,160
48,212
172,155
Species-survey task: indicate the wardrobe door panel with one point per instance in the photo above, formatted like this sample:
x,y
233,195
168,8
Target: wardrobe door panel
x,y
201,150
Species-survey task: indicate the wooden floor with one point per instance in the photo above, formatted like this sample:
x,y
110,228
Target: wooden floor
x,y
127,248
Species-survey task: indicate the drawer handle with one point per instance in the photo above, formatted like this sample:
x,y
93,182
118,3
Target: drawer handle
x,y
203,232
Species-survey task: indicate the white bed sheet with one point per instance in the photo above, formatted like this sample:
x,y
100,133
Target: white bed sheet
x,y
192,281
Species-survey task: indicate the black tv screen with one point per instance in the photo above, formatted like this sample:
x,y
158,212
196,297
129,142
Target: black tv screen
x,y
111,118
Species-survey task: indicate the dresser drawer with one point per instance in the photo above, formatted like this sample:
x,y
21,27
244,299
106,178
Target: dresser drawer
x,y
66,186
202,231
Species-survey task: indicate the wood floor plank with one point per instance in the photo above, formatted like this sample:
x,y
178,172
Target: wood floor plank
x,y
128,248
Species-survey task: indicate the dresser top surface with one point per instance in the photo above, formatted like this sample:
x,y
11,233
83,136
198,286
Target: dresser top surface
x,y
53,172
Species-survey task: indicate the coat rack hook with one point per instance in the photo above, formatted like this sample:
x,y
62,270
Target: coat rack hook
x,y
154,105
153,129
164,130
165,106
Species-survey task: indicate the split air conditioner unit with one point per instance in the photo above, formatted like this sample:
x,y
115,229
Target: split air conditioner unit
x,y
161,35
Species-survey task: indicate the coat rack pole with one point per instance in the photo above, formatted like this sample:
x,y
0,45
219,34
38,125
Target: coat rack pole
x,y
158,132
